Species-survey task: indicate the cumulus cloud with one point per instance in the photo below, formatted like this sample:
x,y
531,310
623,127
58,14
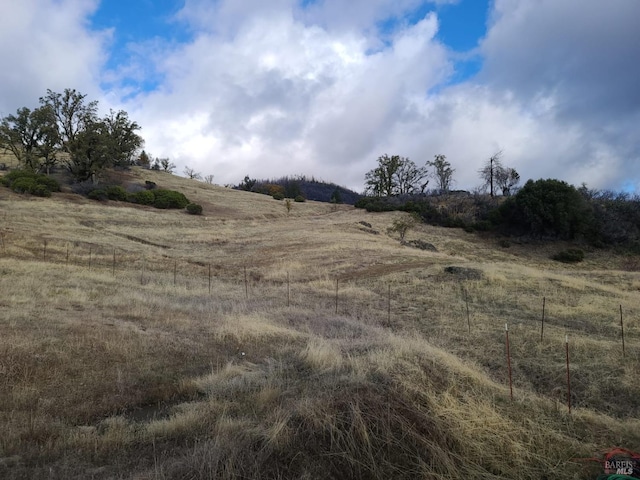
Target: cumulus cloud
x,y
324,87
285,97
572,66
318,90
581,54
48,44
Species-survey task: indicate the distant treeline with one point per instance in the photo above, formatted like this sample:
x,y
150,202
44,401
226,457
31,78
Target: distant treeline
x,y
542,209
300,187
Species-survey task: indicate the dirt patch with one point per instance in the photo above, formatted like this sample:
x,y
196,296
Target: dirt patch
x,y
381,270
140,240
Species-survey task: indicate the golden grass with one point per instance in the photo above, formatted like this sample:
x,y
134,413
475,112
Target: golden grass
x,y
211,348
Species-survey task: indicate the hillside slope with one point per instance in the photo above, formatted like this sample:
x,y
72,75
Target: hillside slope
x,y
252,342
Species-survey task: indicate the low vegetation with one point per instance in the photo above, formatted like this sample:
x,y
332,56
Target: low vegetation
x,y
541,210
194,209
570,255
25,181
256,343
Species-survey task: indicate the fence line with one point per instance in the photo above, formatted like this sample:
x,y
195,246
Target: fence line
x,y
199,275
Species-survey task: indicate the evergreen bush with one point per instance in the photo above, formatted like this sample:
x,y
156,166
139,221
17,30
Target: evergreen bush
x,y
144,197
116,192
23,185
40,190
169,199
194,209
98,194
546,208
26,181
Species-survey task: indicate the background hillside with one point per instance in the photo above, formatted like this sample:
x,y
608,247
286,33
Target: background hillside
x,y
256,342
305,187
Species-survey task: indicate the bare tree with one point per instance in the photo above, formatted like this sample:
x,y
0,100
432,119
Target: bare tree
x,y
507,179
488,171
191,173
495,175
164,164
208,179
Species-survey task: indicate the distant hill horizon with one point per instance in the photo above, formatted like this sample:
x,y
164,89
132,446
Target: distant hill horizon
x,y
309,188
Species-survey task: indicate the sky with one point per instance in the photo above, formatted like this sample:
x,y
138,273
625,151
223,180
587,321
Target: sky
x,y
323,88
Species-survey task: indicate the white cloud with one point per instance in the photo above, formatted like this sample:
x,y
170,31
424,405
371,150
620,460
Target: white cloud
x,y
47,44
283,97
578,59
316,91
274,88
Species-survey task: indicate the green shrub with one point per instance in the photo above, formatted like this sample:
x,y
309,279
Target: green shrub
x,y
49,183
570,255
546,208
116,192
169,199
376,204
26,181
16,174
144,197
98,194
194,209
23,185
299,199
278,196
40,190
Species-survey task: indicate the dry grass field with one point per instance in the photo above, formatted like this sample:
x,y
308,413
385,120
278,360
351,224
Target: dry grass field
x,y
250,342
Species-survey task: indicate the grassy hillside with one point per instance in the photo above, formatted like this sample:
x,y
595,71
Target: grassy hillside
x,y
250,342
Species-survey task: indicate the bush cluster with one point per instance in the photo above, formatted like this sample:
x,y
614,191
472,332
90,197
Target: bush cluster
x,y
169,199
547,209
158,198
427,211
194,209
145,197
543,209
26,181
111,192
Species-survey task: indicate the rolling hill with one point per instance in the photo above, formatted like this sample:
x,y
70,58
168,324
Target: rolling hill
x,y
254,342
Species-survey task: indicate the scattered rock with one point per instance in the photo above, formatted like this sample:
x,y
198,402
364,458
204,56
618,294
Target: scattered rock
x,y
367,228
420,244
466,273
